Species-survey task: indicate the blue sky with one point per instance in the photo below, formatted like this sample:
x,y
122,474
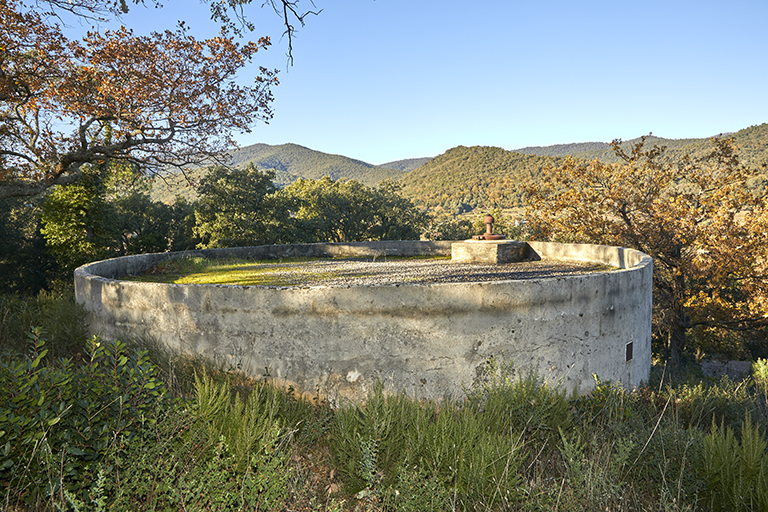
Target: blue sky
x,y
383,80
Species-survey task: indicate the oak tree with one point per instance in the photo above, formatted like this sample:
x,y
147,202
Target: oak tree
x,y
239,208
706,230
157,101
328,210
110,213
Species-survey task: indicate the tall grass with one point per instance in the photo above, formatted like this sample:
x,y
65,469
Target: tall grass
x,y
59,317
389,439
121,427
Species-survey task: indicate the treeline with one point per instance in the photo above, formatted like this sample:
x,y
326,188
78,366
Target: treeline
x,y
110,213
464,178
288,162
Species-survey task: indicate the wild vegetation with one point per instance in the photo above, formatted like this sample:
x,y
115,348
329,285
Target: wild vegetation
x,y
94,425
706,229
464,179
90,424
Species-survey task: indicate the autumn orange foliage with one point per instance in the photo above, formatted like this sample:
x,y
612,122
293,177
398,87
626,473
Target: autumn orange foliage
x,y
705,229
157,101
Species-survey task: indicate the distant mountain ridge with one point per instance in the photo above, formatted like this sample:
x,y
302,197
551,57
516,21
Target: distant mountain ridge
x,y
752,143
407,165
291,162
564,149
478,176
465,178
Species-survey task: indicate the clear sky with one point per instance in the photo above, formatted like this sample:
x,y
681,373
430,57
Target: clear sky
x,y
383,80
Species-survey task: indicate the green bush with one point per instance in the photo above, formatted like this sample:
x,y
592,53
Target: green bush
x,y
665,458
526,406
58,420
416,491
217,453
243,424
607,403
373,443
594,471
760,377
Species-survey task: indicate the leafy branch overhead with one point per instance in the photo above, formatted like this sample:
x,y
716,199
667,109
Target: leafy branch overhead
x,y
232,15
157,101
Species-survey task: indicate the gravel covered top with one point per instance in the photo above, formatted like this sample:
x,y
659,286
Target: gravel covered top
x,y
419,271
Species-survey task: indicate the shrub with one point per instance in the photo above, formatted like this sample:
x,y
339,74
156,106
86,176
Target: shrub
x,y
218,453
665,459
58,420
527,406
416,491
373,443
594,471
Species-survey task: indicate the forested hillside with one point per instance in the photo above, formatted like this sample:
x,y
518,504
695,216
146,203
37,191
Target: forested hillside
x,y
752,143
465,178
460,179
564,149
290,162
406,165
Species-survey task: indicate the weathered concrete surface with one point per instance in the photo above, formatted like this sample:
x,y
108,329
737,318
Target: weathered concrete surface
x,y
490,251
433,340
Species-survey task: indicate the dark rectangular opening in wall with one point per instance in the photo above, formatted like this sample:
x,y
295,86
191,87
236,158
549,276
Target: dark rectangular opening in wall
x,y
629,351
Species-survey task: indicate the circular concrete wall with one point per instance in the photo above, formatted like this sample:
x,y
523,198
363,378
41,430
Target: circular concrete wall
x,y
433,340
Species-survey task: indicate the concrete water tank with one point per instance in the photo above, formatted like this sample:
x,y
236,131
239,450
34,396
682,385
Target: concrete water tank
x,y
431,340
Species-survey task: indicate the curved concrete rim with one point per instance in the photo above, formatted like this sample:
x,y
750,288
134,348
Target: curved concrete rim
x,y
620,258
434,340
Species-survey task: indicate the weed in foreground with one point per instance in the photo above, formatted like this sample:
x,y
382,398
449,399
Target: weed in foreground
x,y
380,445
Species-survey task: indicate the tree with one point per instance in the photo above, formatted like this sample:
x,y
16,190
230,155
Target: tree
x,y
348,211
239,208
109,213
78,223
25,265
157,101
232,15
395,217
705,228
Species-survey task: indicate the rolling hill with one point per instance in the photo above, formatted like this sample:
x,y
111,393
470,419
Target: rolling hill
x,y
407,165
460,179
464,178
290,162
467,177
752,143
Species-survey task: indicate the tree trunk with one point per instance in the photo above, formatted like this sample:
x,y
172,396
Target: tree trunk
x,y
680,321
676,343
